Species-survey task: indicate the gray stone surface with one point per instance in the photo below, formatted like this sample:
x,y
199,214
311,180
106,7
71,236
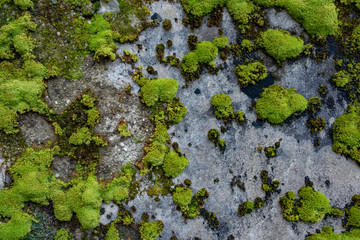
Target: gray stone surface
x,y
108,212
2,173
112,7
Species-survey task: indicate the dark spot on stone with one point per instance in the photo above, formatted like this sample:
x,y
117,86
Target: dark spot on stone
x,y
258,124
108,216
327,182
156,16
102,211
197,91
255,90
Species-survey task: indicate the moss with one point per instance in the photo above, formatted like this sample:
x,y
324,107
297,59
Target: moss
x,y
192,42
129,57
167,24
160,52
341,78
258,202
112,233
250,74
182,197
276,104
220,42
346,133
63,234
314,105
242,11
327,233
123,130
175,111
200,8
311,207
245,208
150,230
169,43
240,117
174,164
247,45
197,201
322,89
353,213
222,104
316,124
268,185
150,70
159,90
281,45
214,135
187,182
270,152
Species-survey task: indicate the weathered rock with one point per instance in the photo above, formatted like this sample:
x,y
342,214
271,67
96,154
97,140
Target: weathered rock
x,y
108,212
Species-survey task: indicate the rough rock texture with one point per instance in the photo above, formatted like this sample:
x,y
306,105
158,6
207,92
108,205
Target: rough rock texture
x,y
2,173
108,212
63,167
111,6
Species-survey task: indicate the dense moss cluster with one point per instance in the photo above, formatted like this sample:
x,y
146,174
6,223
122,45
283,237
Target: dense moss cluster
x,y
352,213
327,233
276,104
311,207
150,230
346,133
176,111
250,74
159,90
222,104
190,205
245,208
214,136
281,45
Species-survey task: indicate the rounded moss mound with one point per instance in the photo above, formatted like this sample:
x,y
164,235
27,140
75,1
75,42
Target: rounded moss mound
x,y
281,45
346,133
250,74
174,164
276,104
182,197
327,233
162,89
221,41
150,230
206,52
223,106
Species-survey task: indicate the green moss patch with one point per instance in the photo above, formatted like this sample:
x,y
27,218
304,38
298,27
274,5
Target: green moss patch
x,y
312,206
281,45
352,213
250,74
346,133
174,164
276,104
159,90
150,230
176,111
327,234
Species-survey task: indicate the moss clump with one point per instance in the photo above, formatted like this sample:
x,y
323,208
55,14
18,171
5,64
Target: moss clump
x,y
314,105
63,234
311,207
250,74
319,18
276,104
221,41
245,208
271,152
123,129
327,233
167,24
353,213
174,164
160,52
159,90
204,53
258,202
268,185
281,45
346,133
342,78
150,230
214,135
192,42
240,117
129,57
112,233
222,104
21,81
175,111
242,12
182,197
316,124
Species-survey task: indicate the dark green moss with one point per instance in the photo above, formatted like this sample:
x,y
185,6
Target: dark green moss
x,y
250,74
245,208
314,105
316,124
167,24
160,52
258,202
169,43
150,70
214,135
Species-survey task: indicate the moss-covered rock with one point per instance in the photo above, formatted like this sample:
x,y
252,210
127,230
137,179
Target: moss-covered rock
x,y
150,230
276,104
281,45
250,74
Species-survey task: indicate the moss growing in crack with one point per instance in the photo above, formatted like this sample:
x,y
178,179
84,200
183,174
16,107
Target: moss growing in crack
x,y
276,104
346,133
281,45
312,206
222,104
245,208
150,230
175,111
174,164
250,74
327,233
221,41
167,24
159,90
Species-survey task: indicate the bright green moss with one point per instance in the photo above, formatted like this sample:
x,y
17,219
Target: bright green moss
x,y
327,234
123,130
112,233
353,213
281,45
190,63
201,8
9,120
63,234
182,197
206,52
155,153
17,227
240,117
150,230
311,207
314,105
88,100
176,111
241,10
318,17
245,208
93,117
250,74
159,90
222,104
84,136
276,104
346,133
213,135
174,164
220,42
341,78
